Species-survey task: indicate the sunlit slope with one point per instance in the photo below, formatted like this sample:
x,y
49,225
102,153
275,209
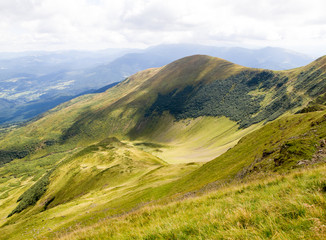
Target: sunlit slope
x,y
282,207
289,143
192,110
107,164
88,187
190,140
130,110
194,87
284,144
51,125
116,112
189,88
101,180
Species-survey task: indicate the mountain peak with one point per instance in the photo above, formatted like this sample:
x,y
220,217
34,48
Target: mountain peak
x,y
201,58
203,64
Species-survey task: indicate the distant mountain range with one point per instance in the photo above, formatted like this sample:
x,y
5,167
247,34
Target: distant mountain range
x,y
34,82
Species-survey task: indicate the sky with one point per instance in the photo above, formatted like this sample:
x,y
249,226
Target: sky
x,y
298,25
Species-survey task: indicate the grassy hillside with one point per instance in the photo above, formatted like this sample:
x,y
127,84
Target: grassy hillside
x,y
277,147
191,87
103,179
88,187
160,135
291,207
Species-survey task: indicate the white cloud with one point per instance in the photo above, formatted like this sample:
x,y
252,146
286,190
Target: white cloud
x,y
96,24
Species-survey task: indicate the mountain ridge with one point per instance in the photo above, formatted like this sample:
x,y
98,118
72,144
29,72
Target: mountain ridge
x,y
50,78
160,135
160,74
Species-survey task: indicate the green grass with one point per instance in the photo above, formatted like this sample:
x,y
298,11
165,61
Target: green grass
x,y
32,195
106,178
102,181
20,174
108,157
121,110
204,137
291,207
288,140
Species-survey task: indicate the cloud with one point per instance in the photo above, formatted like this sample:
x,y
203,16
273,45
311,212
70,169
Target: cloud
x,y
96,24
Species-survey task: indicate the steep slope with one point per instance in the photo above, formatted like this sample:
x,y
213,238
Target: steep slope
x,y
291,142
287,207
288,143
108,164
136,142
103,179
192,87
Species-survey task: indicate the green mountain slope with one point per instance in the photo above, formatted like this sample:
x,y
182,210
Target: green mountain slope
x,y
290,207
188,88
198,84
288,143
146,141
285,145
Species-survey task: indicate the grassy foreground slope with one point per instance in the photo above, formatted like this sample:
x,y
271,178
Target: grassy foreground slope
x,y
290,207
270,204
282,146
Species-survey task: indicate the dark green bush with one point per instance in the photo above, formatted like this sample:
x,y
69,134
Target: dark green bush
x,y
9,155
32,195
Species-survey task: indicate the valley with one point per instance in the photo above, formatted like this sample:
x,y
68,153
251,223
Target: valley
x,y
179,151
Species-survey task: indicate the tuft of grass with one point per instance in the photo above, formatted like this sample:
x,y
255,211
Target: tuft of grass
x,y
289,207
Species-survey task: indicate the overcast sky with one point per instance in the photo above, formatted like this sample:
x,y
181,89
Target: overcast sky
x,y
98,24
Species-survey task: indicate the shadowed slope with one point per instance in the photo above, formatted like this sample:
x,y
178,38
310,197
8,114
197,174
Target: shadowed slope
x,y
96,116
113,149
